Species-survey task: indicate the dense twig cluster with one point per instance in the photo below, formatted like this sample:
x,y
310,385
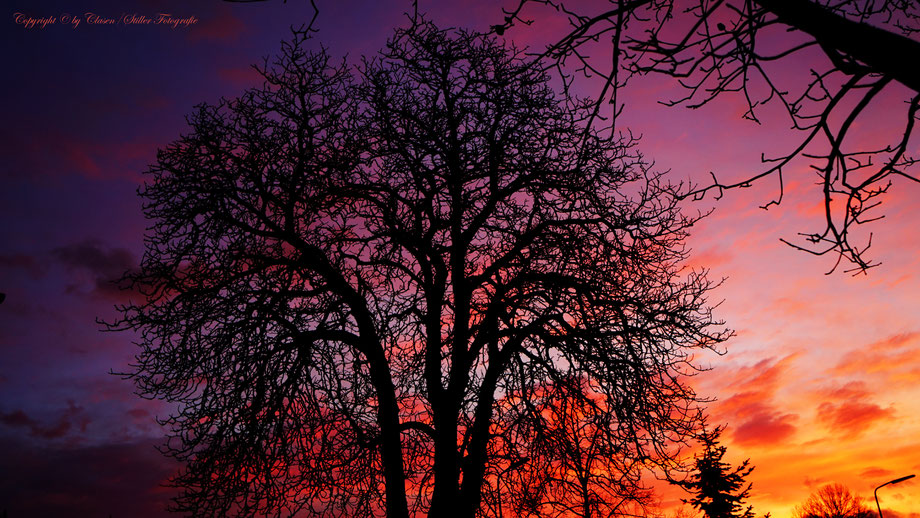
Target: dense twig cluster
x,y
713,47
833,501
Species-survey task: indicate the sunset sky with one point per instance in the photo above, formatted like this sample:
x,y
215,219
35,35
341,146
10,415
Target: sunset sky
x,y
819,385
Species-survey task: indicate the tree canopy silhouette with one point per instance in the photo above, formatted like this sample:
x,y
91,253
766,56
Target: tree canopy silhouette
x,y
748,47
833,501
425,290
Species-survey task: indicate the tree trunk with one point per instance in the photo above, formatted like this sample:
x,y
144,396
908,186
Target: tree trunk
x,y
446,495
391,453
391,445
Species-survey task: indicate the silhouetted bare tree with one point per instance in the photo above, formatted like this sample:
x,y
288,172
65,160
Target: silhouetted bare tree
x,y
833,501
713,47
684,512
400,295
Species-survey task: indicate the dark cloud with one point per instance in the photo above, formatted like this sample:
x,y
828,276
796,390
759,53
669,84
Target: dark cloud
x,y
103,265
111,480
95,257
240,75
17,418
28,151
139,413
33,267
71,418
225,28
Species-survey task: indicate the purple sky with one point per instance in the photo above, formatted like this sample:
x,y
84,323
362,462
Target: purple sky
x,y
85,109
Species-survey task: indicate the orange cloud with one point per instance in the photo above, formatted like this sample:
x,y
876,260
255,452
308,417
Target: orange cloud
x,y
744,404
852,390
761,422
876,472
764,375
895,355
853,416
757,420
766,428
894,514
848,408
895,341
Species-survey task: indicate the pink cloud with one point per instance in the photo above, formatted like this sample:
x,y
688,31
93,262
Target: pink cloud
x,y
762,423
796,307
744,404
710,257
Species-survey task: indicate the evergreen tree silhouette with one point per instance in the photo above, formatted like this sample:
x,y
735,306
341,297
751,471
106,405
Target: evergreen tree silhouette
x,y
719,490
